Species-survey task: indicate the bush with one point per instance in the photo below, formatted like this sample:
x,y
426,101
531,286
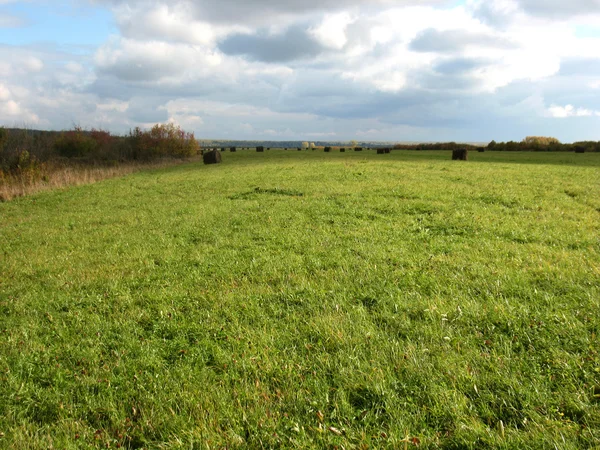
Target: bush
x,y
161,141
3,135
75,144
22,165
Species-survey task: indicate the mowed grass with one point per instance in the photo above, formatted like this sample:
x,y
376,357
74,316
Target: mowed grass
x,y
307,300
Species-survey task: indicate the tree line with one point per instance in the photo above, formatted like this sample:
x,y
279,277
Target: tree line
x,y
22,150
529,144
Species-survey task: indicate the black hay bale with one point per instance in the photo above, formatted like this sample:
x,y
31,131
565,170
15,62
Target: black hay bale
x,y
387,150
232,149
481,149
222,149
460,154
342,150
579,149
380,151
327,149
260,149
201,152
299,149
212,157
358,149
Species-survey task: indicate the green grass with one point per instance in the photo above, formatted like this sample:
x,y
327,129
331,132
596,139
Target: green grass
x,y
307,300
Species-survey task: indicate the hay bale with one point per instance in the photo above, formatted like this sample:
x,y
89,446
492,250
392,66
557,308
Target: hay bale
x,y
380,151
232,149
327,149
461,154
342,150
260,149
387,150
579,149
358,149
481,149
212,157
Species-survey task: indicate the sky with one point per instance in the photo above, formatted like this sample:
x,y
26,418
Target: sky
x,y
316,70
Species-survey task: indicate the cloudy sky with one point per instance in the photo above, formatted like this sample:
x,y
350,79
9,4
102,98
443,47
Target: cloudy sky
x,y
429,70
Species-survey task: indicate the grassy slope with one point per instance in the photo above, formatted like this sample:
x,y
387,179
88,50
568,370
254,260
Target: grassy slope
x,y
262,301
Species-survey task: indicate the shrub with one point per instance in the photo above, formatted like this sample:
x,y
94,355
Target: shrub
x,y
161,141
75,144
3,136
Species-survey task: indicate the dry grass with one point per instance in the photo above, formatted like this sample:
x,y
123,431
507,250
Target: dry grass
x,y
55,176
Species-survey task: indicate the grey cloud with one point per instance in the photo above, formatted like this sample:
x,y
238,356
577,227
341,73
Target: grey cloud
x,y
140,70
447,82
417,107
147,110
453,66
295,43
264,11
107,86
580,66
489,14
432,40
560,8
335,97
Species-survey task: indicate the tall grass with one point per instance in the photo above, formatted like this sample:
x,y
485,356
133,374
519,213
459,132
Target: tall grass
x,y
55,175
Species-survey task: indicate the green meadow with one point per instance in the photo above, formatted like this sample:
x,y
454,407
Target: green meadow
x,y
307,300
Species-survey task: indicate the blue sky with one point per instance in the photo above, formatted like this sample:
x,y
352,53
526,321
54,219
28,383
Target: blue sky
x,y
61,23
472,70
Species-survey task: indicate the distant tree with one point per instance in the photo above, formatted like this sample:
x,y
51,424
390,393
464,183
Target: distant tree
x,y
540,140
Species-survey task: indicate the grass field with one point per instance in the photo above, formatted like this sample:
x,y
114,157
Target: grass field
x,y
307,300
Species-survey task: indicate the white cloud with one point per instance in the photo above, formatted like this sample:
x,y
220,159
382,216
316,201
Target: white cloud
x,y
4,93
570,111
32,64
74,67
13,113
164,22
113,106
136,60
9,21
332,30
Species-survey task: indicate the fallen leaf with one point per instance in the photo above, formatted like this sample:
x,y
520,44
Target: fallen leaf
x,y
335,431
